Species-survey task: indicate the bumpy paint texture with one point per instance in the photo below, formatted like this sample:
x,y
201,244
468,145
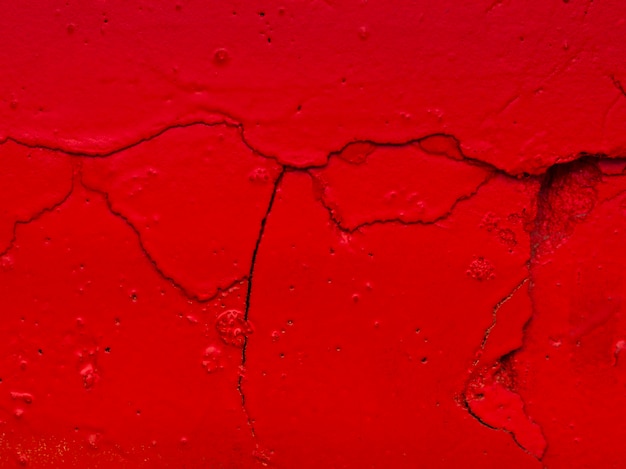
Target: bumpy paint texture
x,y
320,234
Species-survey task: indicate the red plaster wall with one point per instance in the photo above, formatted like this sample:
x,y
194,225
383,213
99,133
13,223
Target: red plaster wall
x,y
323,233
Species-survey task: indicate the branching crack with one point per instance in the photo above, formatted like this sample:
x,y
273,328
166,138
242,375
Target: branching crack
x,y
555,219
231,122
545,227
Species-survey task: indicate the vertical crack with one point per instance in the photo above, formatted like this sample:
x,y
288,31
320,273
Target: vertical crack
x,y
494,380
565,198
494,319
259,454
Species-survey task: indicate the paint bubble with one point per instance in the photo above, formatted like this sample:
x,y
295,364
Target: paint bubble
x,y
212,359
89,375
221,57
481,269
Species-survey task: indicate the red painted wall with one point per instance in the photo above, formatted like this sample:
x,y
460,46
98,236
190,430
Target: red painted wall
x,y
312,234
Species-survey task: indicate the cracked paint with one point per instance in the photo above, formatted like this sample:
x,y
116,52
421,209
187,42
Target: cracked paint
x,y
161,185
350,320
107,346
319,234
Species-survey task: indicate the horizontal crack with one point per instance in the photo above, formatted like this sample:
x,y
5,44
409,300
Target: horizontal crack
x,y
231,122
108,153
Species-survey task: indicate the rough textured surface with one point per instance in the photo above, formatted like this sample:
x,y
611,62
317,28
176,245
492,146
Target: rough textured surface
x,y
312,234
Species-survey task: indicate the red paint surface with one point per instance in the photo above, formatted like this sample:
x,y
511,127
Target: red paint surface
x,y
312,234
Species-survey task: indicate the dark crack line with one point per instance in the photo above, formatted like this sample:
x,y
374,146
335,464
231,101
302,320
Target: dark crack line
x,y
463,400
177,285
618,85
535,240
230,121
465,404
494,314
398,221
105,154
35,217
412,141
259,238
244,349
